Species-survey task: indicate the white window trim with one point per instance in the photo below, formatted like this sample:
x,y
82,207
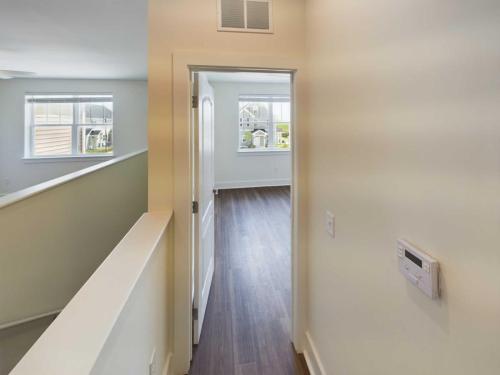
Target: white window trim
x,y
266,151
59,159
245,29
28,135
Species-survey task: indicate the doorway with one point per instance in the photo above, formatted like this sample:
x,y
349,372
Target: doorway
x,y
241,238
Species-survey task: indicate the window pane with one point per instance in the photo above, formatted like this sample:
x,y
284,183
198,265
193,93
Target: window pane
x,y
95,140
66,113
96,113
52,140
54,113
254,111
108,113
281,112
40,111
53,120
264,124
282,135
255,118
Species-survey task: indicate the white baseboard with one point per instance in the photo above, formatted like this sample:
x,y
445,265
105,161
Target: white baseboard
x,y
312,357
252,183
166,368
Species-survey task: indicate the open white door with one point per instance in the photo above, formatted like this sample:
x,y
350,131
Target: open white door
x,y
203,199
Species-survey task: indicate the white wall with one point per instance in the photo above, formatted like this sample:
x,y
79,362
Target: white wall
x,y
405,144
234,169
141,334
130,126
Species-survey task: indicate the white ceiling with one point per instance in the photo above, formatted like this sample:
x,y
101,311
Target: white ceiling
x,y
75,39
248,77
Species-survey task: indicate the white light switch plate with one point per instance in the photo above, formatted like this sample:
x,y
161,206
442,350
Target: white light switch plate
x,y
330,223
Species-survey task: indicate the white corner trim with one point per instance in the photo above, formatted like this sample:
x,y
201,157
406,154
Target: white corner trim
x,y
166,368
312,357
252,183
20,195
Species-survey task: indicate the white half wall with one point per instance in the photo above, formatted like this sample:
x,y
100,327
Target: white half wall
x,y
52,241
120,321
130,122
238,170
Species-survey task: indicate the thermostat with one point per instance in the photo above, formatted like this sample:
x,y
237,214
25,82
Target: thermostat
x,y
419,268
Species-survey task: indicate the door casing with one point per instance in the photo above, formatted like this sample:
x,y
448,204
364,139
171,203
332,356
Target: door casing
x,y
184,63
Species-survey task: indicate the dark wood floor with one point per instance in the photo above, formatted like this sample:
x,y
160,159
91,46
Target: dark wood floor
x,y
247,323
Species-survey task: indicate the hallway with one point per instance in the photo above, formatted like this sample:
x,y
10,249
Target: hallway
x,y
246,328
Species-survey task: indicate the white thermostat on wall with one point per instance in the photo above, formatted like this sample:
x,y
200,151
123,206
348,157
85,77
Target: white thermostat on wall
x,y
419,268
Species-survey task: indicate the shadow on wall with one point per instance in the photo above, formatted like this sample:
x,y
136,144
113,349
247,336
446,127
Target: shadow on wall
x,y
15,341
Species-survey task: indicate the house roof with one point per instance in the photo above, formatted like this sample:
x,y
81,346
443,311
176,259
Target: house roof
x,y
259,130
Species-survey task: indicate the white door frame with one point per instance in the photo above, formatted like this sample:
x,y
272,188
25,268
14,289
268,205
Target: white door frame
x,y
184,62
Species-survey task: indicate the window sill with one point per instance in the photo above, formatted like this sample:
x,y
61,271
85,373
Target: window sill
x,y
59,159
263,152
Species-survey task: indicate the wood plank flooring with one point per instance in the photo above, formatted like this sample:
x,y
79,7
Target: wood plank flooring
x,y
247,323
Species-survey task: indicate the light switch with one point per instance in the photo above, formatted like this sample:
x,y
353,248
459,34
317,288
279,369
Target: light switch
x,y
330,224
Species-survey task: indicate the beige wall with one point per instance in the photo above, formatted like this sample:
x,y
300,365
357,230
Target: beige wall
x,y
192,25
53,241
404,98
178,26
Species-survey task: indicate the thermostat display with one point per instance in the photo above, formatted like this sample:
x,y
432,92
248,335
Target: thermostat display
x,y
419,268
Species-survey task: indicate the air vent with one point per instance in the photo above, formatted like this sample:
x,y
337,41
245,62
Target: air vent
x,y
232,13
258,15
245,15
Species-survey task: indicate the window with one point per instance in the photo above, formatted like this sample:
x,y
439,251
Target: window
x,y
245,15
264,123
69,125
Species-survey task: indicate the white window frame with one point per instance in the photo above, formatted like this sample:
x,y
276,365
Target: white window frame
x,y
245,29
30,125
268,98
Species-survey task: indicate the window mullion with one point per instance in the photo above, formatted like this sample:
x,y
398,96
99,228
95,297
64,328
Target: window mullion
x,y
270,126
32,130
74,131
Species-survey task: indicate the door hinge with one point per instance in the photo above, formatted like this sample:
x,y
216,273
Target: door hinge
x,y
195,207
194,103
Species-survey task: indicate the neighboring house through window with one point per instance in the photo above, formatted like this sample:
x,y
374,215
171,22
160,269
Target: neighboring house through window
x,y
69,125
264,123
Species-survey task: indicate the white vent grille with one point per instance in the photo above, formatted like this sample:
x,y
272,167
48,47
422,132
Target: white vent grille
x,y
233,13
258,15
245,15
